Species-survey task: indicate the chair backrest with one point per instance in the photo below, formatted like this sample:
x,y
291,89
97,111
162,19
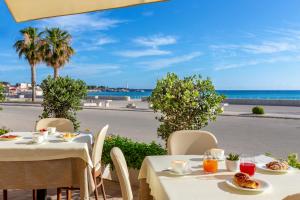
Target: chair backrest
x,y
61,124
191,142
122,172
98,146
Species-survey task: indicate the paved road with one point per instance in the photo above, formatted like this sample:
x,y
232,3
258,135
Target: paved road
x,y
237,134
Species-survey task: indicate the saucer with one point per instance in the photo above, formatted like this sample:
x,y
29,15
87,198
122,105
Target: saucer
x,y
183,173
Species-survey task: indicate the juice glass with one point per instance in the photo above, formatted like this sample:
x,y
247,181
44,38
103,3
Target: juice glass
x,y
210,163
247,165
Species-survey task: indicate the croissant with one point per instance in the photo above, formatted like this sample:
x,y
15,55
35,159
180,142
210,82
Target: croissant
x,y
277,165
243,180
241,177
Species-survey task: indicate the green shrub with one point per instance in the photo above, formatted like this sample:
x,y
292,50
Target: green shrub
x,y
2,97
258,110
185,104
4,130
134,152
293,160
62,98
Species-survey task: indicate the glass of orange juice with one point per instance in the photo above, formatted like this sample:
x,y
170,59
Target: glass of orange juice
x,y
210,163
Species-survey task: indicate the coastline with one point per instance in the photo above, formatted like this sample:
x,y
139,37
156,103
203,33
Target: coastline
x,y
235,101
233,110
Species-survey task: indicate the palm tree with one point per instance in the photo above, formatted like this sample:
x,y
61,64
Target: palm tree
x,y
57,49
30,48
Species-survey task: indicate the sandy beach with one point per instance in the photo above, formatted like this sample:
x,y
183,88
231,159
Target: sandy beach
x,y
235,133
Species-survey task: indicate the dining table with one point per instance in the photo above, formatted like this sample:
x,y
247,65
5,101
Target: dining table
x,y
160,184
53,163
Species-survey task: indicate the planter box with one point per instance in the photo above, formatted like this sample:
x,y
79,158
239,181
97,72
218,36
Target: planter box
x,y
109,174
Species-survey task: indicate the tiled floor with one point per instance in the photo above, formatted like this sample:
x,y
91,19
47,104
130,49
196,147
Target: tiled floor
x,y
113,192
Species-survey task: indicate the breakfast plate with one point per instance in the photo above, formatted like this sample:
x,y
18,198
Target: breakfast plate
x,y
263,186
183,173
264,168
68,137
9,137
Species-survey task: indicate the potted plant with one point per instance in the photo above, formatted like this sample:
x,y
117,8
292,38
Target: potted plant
x,y
233,162
184,104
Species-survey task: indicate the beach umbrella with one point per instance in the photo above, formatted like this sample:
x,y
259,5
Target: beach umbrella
x,y
25,10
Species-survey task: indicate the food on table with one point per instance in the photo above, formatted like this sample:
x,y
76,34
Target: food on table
x,y
43,130
9,136
277,165
244,180
69,135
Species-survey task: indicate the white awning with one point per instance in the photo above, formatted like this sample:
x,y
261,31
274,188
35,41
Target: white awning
x,y
24,10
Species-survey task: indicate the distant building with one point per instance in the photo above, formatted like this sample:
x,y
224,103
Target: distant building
x,y
24,86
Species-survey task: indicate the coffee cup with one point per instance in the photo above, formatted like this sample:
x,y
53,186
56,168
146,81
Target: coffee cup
x,y
179,166
217,153
51,130
37,138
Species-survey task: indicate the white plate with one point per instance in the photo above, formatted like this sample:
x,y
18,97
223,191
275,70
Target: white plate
x,y
263,186
263,167
68,139
10,139
34,142
171,171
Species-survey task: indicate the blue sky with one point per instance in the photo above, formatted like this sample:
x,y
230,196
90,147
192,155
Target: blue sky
x,y
248,44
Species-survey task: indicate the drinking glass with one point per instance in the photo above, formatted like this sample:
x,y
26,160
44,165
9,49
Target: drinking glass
x,y
210,163
247,165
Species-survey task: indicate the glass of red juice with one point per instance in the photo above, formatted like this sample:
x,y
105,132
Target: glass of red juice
x,y
247,165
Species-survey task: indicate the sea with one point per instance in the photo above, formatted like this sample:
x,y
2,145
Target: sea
x,y
230,94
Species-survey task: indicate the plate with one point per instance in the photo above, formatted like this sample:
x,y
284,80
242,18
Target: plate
x,y
264,186
34,142
68,139
10,139
264,168
172,172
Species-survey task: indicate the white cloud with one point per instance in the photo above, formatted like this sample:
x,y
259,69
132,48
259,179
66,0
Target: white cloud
x,y
105,40
12,67
257,62
95,43
83,70
266,47
148,13
270,47
167,62
155,40
142,53
82,22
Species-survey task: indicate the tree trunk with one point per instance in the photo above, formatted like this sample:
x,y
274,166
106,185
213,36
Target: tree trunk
x,y
55,72
33,83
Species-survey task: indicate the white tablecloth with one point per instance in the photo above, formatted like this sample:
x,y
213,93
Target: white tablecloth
x,y
53,148
199,186
54,163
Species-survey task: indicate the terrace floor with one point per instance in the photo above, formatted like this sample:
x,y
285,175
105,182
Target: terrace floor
x,y
113,192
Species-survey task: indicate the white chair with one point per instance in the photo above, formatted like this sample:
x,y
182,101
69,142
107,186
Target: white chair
x,y
122,172
96,159
61,124
96,170
191,142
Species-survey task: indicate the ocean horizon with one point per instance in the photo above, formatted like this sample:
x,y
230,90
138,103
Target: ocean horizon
x,y
230,94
